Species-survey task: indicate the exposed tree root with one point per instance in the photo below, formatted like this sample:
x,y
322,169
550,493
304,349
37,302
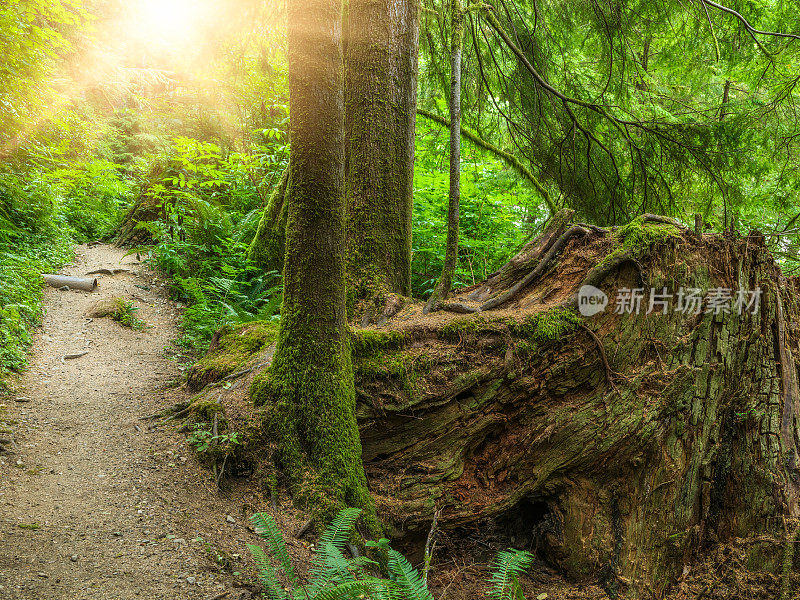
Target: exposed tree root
x,y
541,267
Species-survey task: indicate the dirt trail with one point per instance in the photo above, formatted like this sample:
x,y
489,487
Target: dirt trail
x,y
93,504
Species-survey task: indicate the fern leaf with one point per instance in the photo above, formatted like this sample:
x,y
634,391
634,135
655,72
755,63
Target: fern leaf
x,y
267,574
266,527
365,589
407,578
339,530
508,565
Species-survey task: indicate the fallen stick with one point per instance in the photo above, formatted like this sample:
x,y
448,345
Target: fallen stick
x,y
74,283
108,271
73,356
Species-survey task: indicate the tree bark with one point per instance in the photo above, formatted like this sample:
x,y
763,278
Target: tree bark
x,y
381,93
269,244
309,391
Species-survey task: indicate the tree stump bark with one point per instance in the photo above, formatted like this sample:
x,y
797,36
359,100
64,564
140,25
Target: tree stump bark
x,y
510,415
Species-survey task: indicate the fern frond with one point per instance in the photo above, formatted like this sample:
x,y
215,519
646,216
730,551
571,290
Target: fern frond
x,y
266,527
267,575
508,566
407,578
365,589
339,530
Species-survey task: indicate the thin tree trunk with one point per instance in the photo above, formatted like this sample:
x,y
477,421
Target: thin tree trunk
x,y
451,252
310,386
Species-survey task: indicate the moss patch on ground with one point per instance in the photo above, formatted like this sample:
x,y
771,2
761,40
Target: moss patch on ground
x,y
234,347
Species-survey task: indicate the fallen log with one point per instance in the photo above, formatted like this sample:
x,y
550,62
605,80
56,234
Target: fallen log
x,y
87,284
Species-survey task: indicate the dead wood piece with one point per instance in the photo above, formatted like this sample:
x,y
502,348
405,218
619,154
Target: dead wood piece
x,y
603,357
108,271
180,406
660,219
245,371
543,264
73,283
525,259
219,596
458,307
304,529
73,356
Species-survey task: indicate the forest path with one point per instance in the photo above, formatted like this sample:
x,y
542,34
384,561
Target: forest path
x,y
93,504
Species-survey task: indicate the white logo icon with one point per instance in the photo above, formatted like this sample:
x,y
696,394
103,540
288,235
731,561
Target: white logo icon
x,y
591,300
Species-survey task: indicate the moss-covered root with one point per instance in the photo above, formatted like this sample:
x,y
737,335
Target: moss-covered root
x,y
268,246
313,419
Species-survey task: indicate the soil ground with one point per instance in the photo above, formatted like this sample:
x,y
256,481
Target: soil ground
x,y
94,503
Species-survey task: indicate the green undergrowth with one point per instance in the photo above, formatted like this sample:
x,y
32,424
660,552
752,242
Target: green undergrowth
x,y
125,314
47,205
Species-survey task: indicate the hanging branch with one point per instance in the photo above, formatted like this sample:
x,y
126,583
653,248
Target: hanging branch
x,y
507,157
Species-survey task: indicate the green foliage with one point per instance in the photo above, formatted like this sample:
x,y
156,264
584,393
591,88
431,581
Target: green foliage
x,y
333,576
125,314
507,568
34,239
210,214
205,441
499,212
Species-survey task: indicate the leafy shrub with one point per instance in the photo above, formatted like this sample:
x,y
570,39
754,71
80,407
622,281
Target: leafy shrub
x,y
211,209
34,239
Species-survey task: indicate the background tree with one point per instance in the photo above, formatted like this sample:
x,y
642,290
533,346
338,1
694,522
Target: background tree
x,y
381,100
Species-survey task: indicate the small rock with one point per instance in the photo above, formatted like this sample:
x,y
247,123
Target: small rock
x,y
230,519
42,574
74,558
22,399
542,596
191,580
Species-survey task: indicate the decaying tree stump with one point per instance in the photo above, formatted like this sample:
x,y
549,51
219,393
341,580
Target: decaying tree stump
x,y
510,414
620,445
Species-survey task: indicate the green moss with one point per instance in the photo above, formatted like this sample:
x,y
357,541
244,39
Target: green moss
x,y
234,349
403,367
205,409
367,342
637,237
455,329
268,247
547,326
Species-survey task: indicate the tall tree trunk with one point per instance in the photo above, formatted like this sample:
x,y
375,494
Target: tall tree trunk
x,y
451,251
309,392
381,94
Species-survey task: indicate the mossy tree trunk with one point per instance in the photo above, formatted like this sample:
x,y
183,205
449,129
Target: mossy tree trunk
x,y
269,244
619,445
310,385
381,96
